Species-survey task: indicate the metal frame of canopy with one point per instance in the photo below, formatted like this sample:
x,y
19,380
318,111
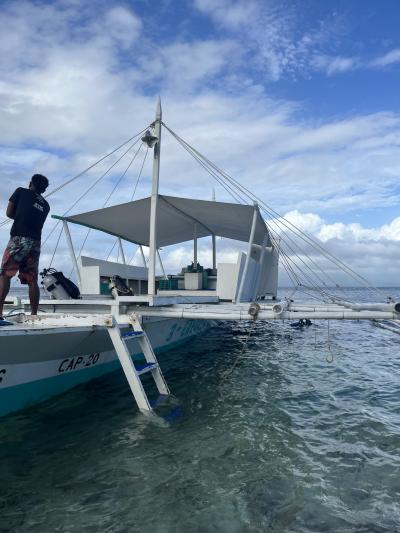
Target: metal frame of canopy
x,y
166,220
161,220
178,220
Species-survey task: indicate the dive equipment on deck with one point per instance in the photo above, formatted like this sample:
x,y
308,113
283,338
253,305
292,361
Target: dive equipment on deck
x,y
59,287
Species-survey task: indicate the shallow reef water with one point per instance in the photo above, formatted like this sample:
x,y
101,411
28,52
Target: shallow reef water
x,y
285,430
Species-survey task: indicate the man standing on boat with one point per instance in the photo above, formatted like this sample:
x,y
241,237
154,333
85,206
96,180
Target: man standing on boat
x,y
29,210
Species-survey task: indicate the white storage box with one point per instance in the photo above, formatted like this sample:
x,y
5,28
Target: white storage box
x,y
193,281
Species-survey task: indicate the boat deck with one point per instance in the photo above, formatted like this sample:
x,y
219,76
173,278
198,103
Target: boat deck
x,y
204,294
105,304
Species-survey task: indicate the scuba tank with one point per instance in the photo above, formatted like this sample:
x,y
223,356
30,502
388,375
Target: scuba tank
x,y
118,287
58,286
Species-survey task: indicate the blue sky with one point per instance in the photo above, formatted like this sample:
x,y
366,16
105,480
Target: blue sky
x,y
297,99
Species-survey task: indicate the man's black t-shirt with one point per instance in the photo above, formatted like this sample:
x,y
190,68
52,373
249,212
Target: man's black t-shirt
x,y
31,210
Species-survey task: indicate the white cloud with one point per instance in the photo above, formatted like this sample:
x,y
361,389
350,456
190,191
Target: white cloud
x,y
354,232
74,92
339,64
123,25
371,252
334,64
388,59
270,34
180,66
232,14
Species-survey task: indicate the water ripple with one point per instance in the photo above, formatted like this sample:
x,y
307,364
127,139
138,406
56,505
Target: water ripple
x,y
273,437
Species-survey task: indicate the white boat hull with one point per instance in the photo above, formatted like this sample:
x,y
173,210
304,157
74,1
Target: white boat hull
x,y
38,364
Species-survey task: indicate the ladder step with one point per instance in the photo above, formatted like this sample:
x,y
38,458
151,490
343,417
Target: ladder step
x,y
132,334
146,367
165,410
173,415
160,400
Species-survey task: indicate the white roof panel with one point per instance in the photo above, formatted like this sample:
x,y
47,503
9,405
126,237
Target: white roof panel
x,y
176,220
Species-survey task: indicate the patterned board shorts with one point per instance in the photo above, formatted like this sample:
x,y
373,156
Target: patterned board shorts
x,y
22,254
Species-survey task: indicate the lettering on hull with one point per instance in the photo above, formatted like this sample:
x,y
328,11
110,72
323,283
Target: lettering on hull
x,y
79,362
177,331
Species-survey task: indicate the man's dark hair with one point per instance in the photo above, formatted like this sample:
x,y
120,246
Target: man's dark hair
x,y
40,182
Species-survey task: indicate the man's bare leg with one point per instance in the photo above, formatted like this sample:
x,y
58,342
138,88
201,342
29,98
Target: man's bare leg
x,y
34,296
4,289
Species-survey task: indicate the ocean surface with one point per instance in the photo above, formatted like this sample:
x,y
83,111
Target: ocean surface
x,y
282,430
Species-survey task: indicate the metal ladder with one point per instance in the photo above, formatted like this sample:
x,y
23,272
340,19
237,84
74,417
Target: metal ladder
x,y
132,371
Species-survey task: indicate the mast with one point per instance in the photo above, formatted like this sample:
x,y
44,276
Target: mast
x,y
154,201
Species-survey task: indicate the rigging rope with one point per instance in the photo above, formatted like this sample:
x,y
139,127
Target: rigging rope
x,y
56,246
132,196
97,162
89,189
6,221
316,286
111,193
241,200
236,197
274,215
244,190
228,371
112,249
140,173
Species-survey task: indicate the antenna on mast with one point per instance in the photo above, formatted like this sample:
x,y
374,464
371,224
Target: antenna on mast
x,y
148,138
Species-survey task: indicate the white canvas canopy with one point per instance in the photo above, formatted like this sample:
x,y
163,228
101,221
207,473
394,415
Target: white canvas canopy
x,y
178,220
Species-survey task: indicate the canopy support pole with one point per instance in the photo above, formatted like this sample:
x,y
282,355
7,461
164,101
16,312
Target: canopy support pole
x,y
260,262
121,250
71,251
143,257
161,264
246,265
154,201
195,246
214,243
214,253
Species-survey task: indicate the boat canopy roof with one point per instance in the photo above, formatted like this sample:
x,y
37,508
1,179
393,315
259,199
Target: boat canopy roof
x,y
178,220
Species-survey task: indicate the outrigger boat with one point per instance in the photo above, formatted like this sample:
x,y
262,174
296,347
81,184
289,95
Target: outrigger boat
x,y
76,340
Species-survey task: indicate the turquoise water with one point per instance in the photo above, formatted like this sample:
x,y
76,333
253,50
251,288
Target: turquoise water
x,y
287,431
